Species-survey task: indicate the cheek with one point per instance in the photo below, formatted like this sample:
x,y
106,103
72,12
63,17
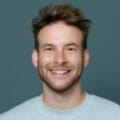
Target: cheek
x,y
44,59
75,59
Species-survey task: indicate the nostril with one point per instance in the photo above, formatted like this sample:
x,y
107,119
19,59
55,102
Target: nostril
x,y
60,57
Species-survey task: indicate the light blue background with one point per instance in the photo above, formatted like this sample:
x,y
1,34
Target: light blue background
x,y
19,80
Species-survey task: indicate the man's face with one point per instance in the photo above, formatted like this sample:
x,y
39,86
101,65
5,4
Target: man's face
x,y
60,58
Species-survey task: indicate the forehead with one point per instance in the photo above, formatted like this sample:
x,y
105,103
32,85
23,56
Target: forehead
x,y
60,33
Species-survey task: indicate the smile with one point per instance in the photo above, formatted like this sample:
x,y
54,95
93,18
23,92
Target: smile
x,y
60,72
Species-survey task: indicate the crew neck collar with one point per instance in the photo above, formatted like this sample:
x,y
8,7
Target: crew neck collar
x,y
56,113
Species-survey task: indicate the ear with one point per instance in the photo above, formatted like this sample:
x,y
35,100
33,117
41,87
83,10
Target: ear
x,y
35,58
86,58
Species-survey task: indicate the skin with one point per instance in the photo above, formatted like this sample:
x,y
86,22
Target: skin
x,y
60,61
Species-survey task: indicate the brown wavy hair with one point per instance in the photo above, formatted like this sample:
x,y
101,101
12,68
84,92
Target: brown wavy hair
x,y
66,13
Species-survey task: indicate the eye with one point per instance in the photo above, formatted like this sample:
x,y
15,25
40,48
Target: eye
x,y
71,49
48,49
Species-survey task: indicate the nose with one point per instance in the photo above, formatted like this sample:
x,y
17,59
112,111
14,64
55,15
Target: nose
x,y
60,57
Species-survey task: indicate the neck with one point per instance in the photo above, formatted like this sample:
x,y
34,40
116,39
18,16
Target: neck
x,y
65,100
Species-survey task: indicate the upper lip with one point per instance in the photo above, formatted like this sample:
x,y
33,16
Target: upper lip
x,y
60,71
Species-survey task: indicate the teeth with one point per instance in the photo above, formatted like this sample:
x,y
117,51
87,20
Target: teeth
x,y
59,72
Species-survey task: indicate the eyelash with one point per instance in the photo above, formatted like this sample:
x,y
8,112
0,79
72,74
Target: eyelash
x,y
67,48
48,49
71,49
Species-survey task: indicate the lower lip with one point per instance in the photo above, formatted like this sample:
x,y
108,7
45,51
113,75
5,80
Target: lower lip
x,y
60,75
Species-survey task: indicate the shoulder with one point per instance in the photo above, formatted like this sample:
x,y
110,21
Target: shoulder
x,y
103,102
21,111
103,106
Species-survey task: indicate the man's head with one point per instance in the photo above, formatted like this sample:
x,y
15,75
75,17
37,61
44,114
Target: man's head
x,y
66,13
60,53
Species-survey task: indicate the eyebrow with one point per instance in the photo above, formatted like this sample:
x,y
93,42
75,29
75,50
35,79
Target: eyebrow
x,y
72,44
67,45
47,45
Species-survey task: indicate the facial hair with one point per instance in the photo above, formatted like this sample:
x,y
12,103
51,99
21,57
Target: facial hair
x,y
75,80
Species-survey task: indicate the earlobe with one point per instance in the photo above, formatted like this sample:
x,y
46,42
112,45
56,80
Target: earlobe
x,y
35,58
86,58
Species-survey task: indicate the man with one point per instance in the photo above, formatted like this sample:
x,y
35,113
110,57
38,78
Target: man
x,y
60,55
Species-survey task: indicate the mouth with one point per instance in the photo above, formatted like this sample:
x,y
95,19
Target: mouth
x,y
60,73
